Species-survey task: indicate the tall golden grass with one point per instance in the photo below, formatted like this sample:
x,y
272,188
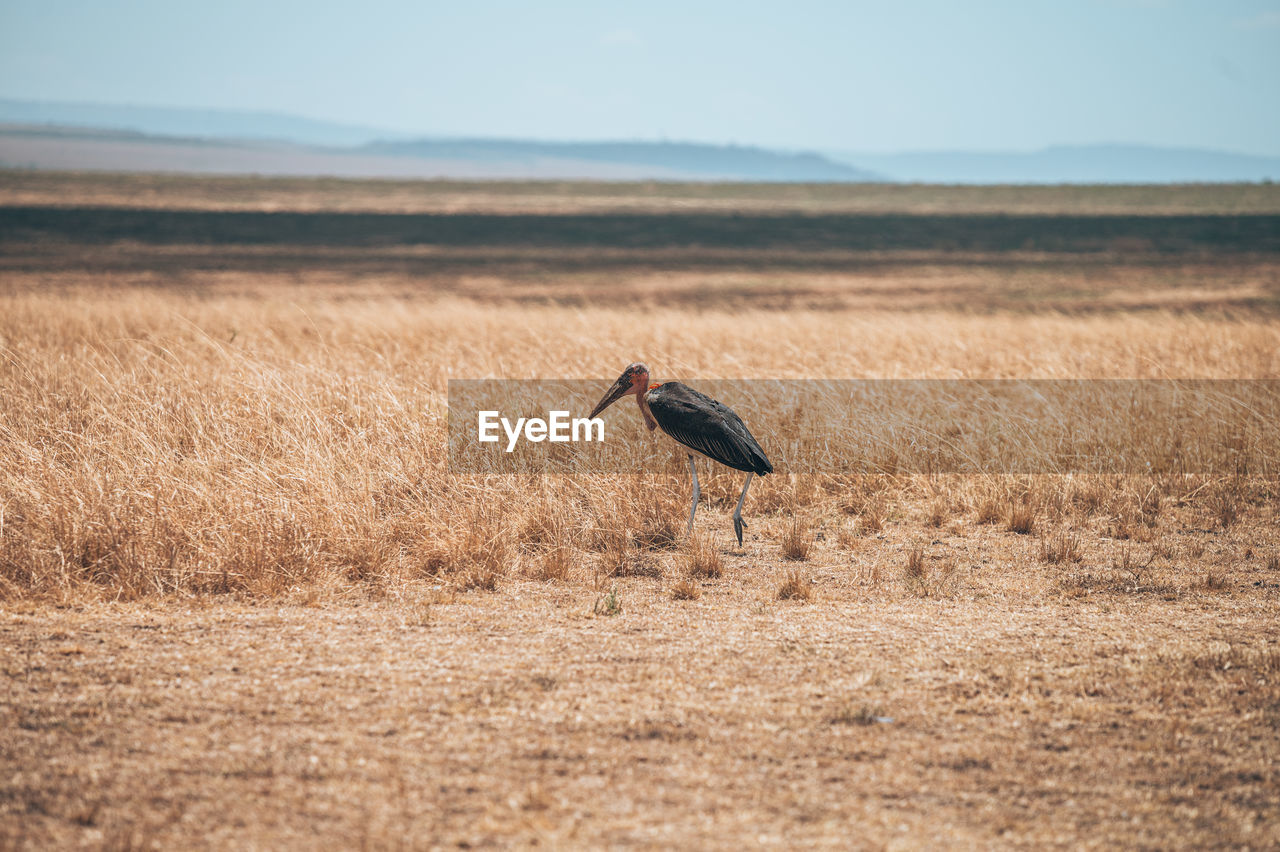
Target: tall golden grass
x,y
262,441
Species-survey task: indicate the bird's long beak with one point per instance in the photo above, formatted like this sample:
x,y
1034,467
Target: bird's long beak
x,y
620,389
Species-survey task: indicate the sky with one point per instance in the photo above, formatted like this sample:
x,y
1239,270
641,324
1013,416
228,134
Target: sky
x,y
798,75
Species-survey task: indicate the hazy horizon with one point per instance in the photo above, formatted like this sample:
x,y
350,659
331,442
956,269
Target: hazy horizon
x,y
673,140
920,77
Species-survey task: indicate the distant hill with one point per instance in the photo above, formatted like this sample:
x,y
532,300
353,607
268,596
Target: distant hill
x,y
97,137
1070,164
92,149
196,123
729,162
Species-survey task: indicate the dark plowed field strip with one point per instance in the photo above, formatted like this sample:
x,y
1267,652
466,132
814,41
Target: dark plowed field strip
x,y
949,233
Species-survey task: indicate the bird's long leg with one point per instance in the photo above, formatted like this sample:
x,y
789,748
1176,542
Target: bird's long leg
x,y
693,507
738,523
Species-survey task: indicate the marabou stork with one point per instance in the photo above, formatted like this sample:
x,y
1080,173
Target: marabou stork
x,y
697,422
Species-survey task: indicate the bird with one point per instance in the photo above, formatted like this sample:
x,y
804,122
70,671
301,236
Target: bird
x,y
698,423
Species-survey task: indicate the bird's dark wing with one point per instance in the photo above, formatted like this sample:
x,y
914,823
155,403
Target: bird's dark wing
x,y
700,423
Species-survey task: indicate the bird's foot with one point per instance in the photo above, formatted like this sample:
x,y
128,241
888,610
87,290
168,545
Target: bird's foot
x,y
738,526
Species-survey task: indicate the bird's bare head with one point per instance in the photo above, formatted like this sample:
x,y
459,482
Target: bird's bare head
x,y
634,379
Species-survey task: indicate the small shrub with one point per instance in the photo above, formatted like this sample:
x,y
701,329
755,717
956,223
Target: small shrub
x,y
608,605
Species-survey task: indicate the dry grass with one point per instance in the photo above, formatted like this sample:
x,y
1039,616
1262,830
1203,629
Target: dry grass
x,y
700,559
988,511
1022,519
1061,548
849,535
796,541
915,568
795,586
187,192
686,590
557,562
238,577
480,729
929,577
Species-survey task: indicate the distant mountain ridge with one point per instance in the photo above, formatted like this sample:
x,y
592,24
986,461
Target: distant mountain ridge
x,y
99,149
734,161
180,121
1070,164
48,135
96,137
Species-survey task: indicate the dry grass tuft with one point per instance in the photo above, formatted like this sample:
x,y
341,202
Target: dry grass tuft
x,y
1022,519
556,563
659,519
795,586
988,511
1224,504
929,578
1213,581
699,558
915,569
797,541
872,519
1060,549
1089,495
686,590
848,536
863,714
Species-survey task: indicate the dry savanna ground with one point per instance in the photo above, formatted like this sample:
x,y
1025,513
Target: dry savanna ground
x,y
244,602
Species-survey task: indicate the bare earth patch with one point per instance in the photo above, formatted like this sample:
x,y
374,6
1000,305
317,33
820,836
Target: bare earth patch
x,y
868,718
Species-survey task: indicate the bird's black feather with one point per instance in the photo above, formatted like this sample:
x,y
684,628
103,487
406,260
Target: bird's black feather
x,y
706,426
